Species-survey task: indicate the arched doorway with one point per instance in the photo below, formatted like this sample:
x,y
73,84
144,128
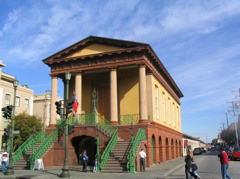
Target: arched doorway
x,y
160,150
153,149
167,149
172,148
87,143
176,149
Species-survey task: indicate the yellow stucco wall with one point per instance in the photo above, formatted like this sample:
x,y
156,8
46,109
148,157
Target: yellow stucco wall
x,y
94,49
175,112
87,94
128,86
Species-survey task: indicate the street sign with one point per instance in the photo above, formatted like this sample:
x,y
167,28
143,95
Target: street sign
x,y
16,132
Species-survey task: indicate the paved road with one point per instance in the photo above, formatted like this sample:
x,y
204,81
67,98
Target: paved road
x,y
209,167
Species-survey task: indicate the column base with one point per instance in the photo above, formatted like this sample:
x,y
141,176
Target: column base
x,y
51,126
143,121
114,123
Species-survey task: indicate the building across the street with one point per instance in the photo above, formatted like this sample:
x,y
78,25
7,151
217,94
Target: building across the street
x,y
127,101
24,99
42,106
190,142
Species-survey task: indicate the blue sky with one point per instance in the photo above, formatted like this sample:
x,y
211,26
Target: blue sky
x,y
197,41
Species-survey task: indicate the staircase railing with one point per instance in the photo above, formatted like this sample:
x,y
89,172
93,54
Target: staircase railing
x,y
135,142
39,136
111,144
45,145
93,118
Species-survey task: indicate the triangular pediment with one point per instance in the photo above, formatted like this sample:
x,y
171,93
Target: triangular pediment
x,y
94,49
93,45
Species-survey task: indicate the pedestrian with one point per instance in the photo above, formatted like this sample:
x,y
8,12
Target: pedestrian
x,y
84,158
142,156
4,161
188,163
224,164
194,168
95,165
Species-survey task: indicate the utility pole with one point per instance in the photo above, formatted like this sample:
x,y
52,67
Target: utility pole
x,y
227,120
234,114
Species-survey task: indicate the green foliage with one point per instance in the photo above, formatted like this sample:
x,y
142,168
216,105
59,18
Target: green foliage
x,y
229,137
27,125
214,142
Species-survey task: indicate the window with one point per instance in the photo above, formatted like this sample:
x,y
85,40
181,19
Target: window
x,y
7,99
17,104
26,103
173,115
169,111
164,107
156,102
177,116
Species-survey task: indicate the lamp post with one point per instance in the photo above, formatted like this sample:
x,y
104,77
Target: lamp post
x,y
94,95
65,170
9,170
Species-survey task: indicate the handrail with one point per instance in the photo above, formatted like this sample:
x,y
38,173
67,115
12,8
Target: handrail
x,y
45,145
141,135
128,119
104,157
39,136
92,118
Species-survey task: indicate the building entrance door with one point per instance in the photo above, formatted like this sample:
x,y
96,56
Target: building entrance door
x,y
103,106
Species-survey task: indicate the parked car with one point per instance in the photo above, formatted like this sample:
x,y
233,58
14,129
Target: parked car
x,y
197,151
235,153
204,150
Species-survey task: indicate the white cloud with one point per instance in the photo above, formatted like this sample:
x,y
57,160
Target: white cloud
x,y
200,17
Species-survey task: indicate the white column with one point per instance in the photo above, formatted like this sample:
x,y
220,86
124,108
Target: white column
x,y
113,96
78,91
54,95
143,94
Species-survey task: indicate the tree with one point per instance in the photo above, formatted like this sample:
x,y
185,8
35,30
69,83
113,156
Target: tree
x,y
27,125
214,141
229,137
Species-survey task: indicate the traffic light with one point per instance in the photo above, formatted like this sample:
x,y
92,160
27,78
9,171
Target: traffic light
x,y
7,111
70,129
4,110
6,134
58,107
69,107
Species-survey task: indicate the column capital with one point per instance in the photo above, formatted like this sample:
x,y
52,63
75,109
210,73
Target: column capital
x,y
78,73
113,68
142,66
54,75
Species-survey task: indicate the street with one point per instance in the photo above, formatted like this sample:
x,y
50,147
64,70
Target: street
x,y
209,167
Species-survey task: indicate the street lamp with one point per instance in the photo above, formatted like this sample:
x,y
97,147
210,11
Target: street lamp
x,y
9,170
65,170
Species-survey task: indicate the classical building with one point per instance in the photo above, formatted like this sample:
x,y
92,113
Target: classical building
x,y
132,89
127,101
24,98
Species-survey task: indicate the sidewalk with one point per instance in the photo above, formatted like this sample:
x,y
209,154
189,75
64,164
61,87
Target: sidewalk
x,y
159,171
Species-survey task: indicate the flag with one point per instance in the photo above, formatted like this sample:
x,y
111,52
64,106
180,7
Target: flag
x,y
75,104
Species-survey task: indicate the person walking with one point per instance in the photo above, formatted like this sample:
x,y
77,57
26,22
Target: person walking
x,y
194,171
142,156
188,163
85,160
224,164
4,161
